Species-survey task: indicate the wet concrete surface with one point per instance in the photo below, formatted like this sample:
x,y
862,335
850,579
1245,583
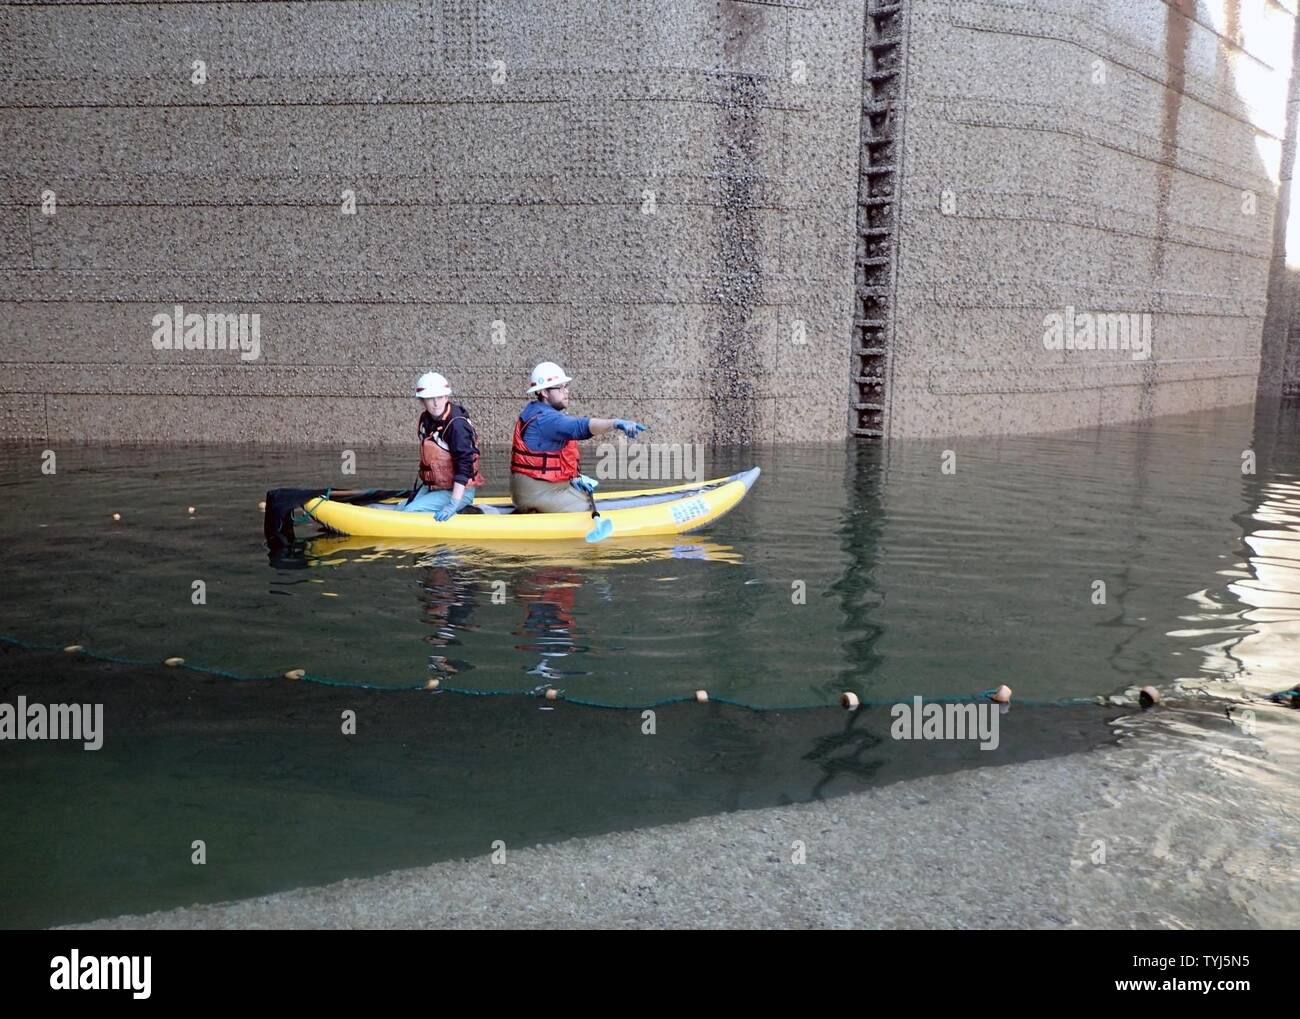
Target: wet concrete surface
x,y
1172,828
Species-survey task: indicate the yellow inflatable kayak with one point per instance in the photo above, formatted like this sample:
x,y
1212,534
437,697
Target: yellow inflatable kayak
x,y
674,510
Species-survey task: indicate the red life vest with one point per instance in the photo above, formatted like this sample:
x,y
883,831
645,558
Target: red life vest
x,y
559,465
437,467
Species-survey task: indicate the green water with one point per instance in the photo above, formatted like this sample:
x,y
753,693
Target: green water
x,y
847,568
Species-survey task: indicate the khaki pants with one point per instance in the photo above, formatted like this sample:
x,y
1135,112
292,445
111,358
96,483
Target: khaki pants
x,y
546,496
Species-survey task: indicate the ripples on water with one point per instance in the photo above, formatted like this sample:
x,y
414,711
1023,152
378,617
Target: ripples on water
x,y
1251,627
916,581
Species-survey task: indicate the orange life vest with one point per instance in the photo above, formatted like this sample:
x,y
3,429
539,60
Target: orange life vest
x,y
437,466
559,465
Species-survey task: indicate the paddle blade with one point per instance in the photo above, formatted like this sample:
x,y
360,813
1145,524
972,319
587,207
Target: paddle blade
x,y
603,529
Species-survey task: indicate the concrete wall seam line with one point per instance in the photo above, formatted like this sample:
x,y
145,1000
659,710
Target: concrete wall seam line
x,y
988,118
1096,138
1089,31
1101,375
1016,18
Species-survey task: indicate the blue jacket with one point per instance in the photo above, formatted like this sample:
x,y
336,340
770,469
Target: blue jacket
x,y
547,429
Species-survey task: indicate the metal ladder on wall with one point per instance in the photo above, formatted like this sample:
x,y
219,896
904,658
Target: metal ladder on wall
x,y
882,55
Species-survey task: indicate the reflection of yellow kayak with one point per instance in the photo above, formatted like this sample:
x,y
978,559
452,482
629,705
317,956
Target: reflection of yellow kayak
x,y
336,550
674,510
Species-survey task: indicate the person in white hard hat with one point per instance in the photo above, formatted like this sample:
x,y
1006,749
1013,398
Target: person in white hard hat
x,y
544,475
449,454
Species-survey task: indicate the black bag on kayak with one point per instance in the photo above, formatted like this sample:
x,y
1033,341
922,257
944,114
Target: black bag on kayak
x,y
277,524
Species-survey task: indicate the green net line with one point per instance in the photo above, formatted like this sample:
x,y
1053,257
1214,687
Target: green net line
x,y
536,692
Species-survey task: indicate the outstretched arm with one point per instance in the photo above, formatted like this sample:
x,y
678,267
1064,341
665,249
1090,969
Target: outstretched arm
x,y
601,426
556,425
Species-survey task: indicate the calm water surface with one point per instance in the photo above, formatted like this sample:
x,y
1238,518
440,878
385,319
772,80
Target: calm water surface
x,y
847,568
913,581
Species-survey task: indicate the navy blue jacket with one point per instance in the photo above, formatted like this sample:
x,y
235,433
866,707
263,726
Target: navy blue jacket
x,y
458,436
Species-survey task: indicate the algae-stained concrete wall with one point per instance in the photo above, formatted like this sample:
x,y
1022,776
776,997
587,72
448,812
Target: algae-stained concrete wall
x,y
659,194
1084,158
1288,341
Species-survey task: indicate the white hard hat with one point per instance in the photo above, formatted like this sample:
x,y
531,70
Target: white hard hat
x,y
546,375
432,384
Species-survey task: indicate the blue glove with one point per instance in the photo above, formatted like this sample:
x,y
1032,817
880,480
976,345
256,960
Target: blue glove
x,y
448,511
585,484
629,428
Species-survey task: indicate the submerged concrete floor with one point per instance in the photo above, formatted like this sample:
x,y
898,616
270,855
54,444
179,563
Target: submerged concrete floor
x,y
1187,822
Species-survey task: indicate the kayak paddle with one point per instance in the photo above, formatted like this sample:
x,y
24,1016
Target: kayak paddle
x,y
603,527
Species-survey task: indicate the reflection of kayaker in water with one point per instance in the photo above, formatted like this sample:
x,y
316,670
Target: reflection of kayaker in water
x,y
447,606
544,474
549,627
448,453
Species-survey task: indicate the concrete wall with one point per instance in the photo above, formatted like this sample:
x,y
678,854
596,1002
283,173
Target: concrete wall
x,y
1096,155
1278,355
515,210
1290,341
659,194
